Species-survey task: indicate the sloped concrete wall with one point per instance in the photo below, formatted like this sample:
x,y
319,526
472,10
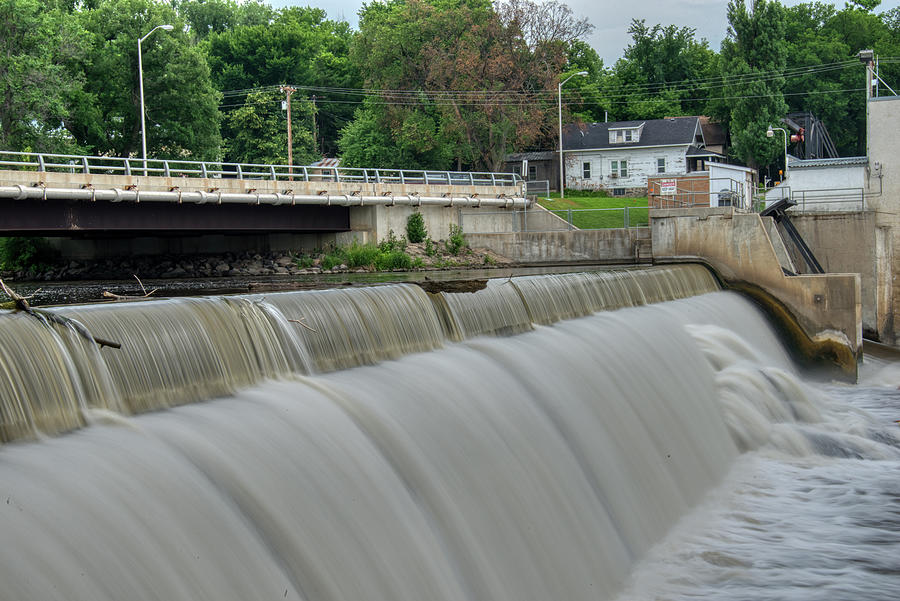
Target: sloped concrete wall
x,y
738,247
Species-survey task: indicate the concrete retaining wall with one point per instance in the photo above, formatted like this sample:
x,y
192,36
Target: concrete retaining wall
x,y
613,246
828,307
847,243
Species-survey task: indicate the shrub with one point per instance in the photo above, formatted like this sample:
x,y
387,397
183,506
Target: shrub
x,y
430,247
415,228
361,255
25,254
333,258
305,261
395,259
456,241
392,243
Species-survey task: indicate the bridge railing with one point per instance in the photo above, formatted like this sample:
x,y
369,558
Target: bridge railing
x,y
64,163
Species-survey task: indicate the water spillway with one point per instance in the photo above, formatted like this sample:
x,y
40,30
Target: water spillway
x,y
389,449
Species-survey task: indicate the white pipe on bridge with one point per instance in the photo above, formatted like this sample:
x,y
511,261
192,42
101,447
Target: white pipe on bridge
x,y
19,192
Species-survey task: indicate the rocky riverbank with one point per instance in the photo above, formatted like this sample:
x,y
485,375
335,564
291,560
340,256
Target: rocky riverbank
x,y
182,267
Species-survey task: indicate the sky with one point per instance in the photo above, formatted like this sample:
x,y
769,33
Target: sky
x,y
610,18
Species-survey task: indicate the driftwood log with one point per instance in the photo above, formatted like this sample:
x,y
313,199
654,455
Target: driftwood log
x,y
21,304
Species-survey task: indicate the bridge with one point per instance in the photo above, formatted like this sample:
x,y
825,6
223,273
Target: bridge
x,y
54,194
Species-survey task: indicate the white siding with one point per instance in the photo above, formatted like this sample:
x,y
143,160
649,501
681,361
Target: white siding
x,y
733,178
641,163
832,188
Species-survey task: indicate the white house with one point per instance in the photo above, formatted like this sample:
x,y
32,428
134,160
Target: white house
x,y
620,156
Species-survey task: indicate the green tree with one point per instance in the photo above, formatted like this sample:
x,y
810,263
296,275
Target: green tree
x,y
380,138
216,16
40,49
299,47
181,104
754,55
500,77
260,131
655,77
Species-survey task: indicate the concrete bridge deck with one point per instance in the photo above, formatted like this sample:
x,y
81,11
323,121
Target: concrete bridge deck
x,y
44,194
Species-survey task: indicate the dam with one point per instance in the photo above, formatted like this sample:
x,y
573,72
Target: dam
x,y
626,434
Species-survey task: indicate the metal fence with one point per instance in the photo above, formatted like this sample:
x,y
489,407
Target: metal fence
x,y
64,163
825,199
540,188
489,222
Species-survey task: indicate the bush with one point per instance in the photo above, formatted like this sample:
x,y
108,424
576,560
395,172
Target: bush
x,y
395,259
456,241
392,243
415,228
25,254
361,255
430,248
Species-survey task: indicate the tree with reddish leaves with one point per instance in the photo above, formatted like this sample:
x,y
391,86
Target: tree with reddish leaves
x,y
454,84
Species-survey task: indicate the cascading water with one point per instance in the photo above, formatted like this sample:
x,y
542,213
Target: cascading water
x,y
572,461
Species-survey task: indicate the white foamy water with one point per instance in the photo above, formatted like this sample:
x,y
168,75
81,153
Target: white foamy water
x,y
661,452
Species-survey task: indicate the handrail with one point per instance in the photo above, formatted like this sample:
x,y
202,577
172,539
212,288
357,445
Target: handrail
x,y
216,169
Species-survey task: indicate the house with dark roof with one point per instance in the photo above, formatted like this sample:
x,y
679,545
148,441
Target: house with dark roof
x,y
534,166
620,156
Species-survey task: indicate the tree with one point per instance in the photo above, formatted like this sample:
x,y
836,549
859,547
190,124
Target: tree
x,y
216,16
500,83
260,131
181,105
40,48
661,74
299,47
543,22
754,56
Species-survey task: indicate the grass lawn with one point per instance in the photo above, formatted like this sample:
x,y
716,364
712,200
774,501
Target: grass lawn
x,y
598,212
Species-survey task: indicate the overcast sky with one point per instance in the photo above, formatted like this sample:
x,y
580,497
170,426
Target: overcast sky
x,y
610,18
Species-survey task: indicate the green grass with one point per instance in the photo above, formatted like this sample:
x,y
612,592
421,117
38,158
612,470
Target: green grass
x,y
612,217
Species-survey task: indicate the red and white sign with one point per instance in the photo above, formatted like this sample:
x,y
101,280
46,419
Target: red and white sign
x,y
668,187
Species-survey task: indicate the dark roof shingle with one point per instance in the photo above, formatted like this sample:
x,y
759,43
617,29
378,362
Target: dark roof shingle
x,y
656,132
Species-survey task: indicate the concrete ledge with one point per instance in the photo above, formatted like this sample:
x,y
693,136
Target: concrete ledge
x,y
827,308
611,246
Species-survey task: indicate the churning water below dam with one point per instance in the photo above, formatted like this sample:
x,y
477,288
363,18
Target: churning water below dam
x,y
511,444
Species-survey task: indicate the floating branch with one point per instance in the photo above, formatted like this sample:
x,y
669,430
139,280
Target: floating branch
x,y
123,297
21,304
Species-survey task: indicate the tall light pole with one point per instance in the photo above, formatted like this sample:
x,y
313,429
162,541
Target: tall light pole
x,y
562,183
141,85
770,133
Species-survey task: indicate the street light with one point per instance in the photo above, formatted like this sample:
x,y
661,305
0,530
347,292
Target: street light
x,y
141,84
770,133
562,183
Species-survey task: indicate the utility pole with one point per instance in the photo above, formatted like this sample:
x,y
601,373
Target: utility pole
x,y
315,137
289,90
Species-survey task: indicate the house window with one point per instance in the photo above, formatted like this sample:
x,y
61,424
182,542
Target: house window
x,y
618,168
586,170
532,172
618,136
661,165
618,191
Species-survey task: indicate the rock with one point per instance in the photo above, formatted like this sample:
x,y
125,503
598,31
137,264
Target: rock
x,y
284,261
175,272
223,268
281,270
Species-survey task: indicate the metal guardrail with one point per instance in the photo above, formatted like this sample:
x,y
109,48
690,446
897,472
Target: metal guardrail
x,y
827,199
64,163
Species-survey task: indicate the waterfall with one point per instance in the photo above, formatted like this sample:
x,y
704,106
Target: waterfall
x,y
382,452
